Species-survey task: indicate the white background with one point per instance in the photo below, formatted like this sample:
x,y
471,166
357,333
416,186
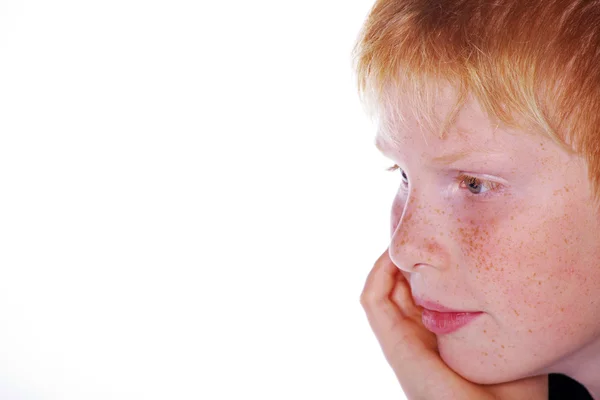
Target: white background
x,y
190,202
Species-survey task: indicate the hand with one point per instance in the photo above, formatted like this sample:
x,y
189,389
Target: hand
x,y
411,350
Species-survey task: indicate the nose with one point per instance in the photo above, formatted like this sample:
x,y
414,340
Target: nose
x,y
418,234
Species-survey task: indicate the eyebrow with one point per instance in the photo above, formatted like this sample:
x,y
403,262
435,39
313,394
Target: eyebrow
x,y
378,144
382,143
454,157
445,159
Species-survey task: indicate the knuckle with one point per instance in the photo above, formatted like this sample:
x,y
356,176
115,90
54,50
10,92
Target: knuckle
x,y
368,299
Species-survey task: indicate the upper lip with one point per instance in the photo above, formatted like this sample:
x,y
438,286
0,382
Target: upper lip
x,y
435,306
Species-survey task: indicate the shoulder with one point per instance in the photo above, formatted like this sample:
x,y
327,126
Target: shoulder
x,y
562,387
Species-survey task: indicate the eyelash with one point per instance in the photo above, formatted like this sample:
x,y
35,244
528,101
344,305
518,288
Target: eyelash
x,y
463,180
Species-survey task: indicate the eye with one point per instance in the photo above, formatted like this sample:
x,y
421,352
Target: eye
x,y
395,167
476,185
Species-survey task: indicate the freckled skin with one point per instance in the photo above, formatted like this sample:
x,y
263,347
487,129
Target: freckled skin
x,y
526,255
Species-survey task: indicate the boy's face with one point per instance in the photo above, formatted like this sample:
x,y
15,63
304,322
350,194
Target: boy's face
x,y
499,221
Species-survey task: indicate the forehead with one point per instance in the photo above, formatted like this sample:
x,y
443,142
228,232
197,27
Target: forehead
x,y
474,143
446,128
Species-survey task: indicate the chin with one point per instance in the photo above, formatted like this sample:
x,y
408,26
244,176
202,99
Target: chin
x,y
478,369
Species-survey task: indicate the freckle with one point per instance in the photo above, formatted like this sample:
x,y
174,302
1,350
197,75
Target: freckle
x,y
484,331
516,312
502,346
493,341
530,331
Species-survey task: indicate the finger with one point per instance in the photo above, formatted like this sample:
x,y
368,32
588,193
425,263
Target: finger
x,y
399,332
401,295
384,315
409,348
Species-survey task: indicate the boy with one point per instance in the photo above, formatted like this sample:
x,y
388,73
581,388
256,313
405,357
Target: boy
x,y
490,113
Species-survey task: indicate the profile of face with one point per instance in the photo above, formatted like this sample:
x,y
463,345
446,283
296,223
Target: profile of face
x,y
500,221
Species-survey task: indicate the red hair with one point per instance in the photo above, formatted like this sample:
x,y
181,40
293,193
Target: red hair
x,y
527,62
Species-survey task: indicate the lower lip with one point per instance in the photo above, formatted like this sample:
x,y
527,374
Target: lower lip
x,y
442,323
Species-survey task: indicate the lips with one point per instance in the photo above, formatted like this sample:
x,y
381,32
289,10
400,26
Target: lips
x,y
442,320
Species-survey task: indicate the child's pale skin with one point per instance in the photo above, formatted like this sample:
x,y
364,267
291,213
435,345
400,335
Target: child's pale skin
x,y
520,244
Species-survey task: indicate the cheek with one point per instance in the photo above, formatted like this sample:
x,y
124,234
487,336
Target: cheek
x,y
557,267
478,237
533,286
505,261
534,269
